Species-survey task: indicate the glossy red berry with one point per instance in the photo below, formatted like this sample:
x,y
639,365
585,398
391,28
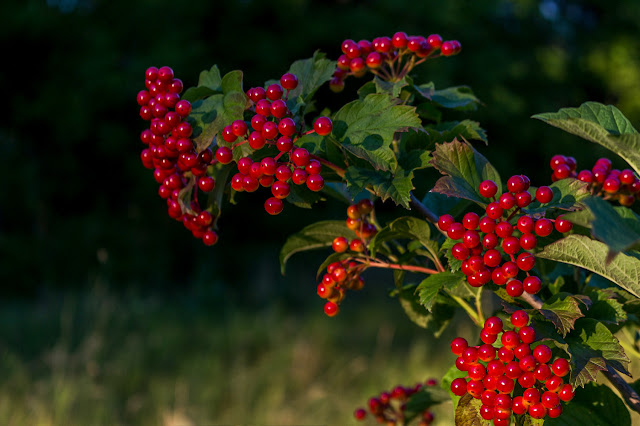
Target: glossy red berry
x,y
289,81
206,183
563,225
459,386
274,206
493,325
519,318
560,367
488,188
544,194
543,227
274,92
323,126
445,221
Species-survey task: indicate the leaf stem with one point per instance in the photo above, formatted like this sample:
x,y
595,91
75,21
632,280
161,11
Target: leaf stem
x,y
630,396
339,170
479,307
468,309
412,268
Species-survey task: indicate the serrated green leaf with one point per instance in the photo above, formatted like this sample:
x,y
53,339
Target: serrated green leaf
x,y
366,128
435,321
429,288
317,235
414,160
617,228
460,98
422,400
450,130
465,169
440,204
406,227
602,124
390,88
592,347
582,251
468,412
567,193
563,310
606,308
311,73
338,191
595,405
209,116
385,185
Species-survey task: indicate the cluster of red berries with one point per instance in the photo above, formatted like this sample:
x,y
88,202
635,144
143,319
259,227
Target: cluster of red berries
x,y
345,275
492,373
620,185
391,58
272,125
497,246
389,406
171,154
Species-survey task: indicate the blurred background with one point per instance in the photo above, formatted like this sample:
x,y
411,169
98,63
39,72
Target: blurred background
x,y
111,313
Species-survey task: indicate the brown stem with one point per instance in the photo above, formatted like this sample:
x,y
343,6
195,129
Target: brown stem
x,y
630,396
423,210
400,267
532,299
339,170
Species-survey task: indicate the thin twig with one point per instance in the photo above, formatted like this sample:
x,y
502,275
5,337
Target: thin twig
x,y
423,210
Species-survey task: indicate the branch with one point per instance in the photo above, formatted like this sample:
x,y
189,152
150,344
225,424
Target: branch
x,y
630,396
423,210
532,300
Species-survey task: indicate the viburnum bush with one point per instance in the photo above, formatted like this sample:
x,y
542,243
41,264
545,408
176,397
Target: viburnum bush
x,y
549,272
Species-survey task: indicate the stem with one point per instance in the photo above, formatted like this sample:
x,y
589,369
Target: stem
x,y
532,300
463,303
339,170
412,268
630,396
479,307
424,210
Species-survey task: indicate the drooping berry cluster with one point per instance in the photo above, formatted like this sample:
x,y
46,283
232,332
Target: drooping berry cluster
x,y
346,274
177,166
389,406
272,125
620,185
493,372
391,58
498,246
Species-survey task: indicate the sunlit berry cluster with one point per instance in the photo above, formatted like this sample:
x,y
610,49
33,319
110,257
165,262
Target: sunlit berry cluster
x,y
345,275
497,247
389,406
391,58
179,169
272,125
493,371
620,185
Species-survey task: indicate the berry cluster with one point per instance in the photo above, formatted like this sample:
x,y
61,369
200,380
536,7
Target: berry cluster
x,y
620,185
497,246
272,124
389,406
177,166
390,58
345,275
493,373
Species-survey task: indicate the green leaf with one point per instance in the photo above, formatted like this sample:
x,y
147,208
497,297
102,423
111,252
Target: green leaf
x,y
317,235
392,89
414,160
385,185
406,227
592,347
567,193
450,130
460,98
606,308
604,125
366,127
210,115
435,321
301,197
209,83
563,310
595,405
430,287
312,73
465,169
468,412
425,398
582,251
440,204
618,228
333,257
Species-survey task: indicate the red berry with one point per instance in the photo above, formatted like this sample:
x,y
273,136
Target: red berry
x,y
239,128
281,191
563,225
330,308
315,182
515,184
448,48
224,155
494,211
206,183
493,325
445,221
532,284
289,81
399,40
374,60
458,345
527,334
553,383
560,367
274,206
519,318
209,238
543,227
507,201
459,386
434,40
544,194
514,288
487,188
525,261
561,171
323,126
510,339
566,393
274,92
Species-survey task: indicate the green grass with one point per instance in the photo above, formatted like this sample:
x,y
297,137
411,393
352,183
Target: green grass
x,y
101,359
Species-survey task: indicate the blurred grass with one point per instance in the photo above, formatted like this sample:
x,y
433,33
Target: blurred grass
x,y
95,358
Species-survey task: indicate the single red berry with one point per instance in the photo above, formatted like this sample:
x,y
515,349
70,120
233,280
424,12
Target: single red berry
x,y
527,380
514,288
544,194
515,184
455,231
507,201
269,130
323,126
360,414
399,40
525,261
566,393
357,65
289,81
627,177
494,211
543,227
519,318
562,171
435,40
518,406
459,386
315,182
281,191
300,157
611,185
210,237
284,144
257,121
487,338
274,206
224,155
554,412
331,309
523,199
206,183
510,339
493,325
542,372
458,345
585,176
532,284
299,176
563,225
448,48
537,411
487,225
527,334
445,221
505,355
488,188
374,60
279,108
557,160
274,92
528,241
560,367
